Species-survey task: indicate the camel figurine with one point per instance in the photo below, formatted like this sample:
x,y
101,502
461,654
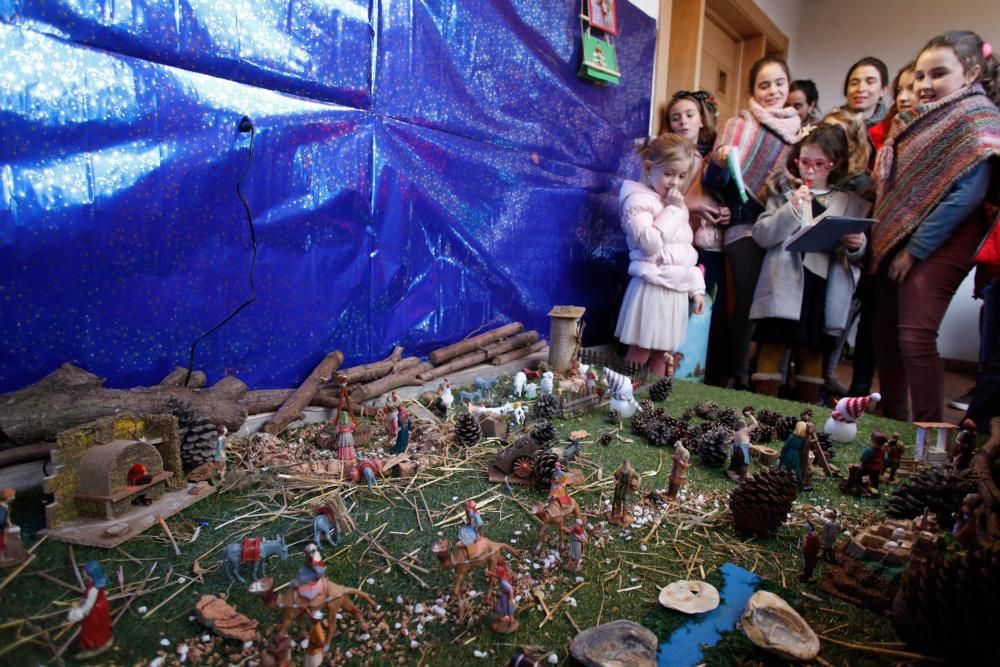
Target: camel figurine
x,y
489,556
330,596
554,513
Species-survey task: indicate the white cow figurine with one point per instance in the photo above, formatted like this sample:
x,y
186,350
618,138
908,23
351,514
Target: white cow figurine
x,y
520,379
547,383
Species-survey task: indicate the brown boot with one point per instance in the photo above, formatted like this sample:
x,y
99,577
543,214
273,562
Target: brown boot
x,y
766,384
807,389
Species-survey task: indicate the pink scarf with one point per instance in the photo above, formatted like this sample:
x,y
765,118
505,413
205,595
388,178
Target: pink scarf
x,y
763,137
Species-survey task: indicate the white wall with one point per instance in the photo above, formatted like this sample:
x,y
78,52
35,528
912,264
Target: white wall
x,y
787,15
833,34
651,7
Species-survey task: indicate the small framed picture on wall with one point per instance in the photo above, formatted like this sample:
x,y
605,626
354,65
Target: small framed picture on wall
x,y
603,15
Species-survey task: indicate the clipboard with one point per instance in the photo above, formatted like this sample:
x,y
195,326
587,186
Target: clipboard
x,y
824,236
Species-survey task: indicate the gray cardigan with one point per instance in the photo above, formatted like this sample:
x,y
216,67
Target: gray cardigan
x,y
782,280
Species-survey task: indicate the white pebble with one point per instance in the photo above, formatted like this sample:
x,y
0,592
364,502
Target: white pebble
x,y
553,658
247,645
365,637
348,654
579,580
642,547
156,662
206,638
518,532
414,643
418,608
164,642
142,610
371,582
480,654
181,580
454,498
340,616
513,540
378,648
305,643
399,599
398,625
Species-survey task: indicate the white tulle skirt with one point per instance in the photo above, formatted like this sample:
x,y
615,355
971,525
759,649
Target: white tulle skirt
x,y
652,317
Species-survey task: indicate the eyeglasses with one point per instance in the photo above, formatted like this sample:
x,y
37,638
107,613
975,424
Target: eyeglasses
x,y
819,165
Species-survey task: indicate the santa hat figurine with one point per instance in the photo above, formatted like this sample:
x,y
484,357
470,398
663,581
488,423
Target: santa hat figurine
x,y
841,425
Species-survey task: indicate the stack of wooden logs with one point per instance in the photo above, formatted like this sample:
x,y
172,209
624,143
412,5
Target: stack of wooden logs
x,y
369,381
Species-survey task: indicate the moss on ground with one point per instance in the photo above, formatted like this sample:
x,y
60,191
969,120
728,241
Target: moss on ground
x,y
776,559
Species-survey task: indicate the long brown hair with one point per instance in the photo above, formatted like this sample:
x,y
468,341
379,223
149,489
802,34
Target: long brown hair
x,y
968,47
858,148
707,110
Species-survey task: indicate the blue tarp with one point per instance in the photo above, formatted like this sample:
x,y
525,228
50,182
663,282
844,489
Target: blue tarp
x,y
420,168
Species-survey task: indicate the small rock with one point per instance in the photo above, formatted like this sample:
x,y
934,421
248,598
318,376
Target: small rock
x,y
553,658
164,642
480,654
414,643
371,582
399,599
142,610
156,662
619,642
206,638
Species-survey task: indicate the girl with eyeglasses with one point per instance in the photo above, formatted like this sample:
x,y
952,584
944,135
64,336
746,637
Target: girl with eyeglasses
x,y
801,298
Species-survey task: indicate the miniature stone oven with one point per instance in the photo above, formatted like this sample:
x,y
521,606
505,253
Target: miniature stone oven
x,y
103,491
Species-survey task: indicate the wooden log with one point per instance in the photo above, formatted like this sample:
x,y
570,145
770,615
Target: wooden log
x,y
265,400
36,452
456,364
501,359
292,408
70,396
372,371
513,343
365,392
443,354
176,378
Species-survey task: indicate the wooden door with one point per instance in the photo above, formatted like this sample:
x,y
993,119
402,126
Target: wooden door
x,y
720,68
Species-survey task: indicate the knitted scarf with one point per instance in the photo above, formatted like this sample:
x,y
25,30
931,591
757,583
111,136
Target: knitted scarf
x,y
926,152
763,137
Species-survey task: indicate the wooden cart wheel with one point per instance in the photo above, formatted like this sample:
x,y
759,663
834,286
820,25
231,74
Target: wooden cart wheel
x,y
523,466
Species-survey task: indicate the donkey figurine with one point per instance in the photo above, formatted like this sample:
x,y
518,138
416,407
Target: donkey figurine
x,y
253,550
324,524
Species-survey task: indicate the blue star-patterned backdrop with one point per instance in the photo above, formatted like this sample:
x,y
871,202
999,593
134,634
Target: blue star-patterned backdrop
x,y
420,169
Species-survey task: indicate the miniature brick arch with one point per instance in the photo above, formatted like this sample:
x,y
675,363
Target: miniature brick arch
x,y
104,468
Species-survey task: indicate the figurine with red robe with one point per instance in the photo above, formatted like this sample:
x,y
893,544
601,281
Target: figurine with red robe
x,y
94,611
810,552
505,604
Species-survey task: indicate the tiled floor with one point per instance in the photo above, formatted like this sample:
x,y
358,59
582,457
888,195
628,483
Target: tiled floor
x,y
955,385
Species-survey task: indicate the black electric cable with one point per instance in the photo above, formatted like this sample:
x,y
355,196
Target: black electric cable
x,y
246,125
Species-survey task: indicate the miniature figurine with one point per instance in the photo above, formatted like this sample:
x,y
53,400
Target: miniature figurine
x,y
831,528
308,592
403,434
445,399
93,610
368,469
11,550
627,481
793,450
678,473
810,552
471,534
393,420
557,485
841,425
252,550
809,450
219,457
485,386
590,381
965,445
506,624
325,525
546,384
620,389
520,414
520,379
740,460
278,654
345,437
470,397
531,391
318,644
894,452
309,578
873,459
577,538
489,556
964,529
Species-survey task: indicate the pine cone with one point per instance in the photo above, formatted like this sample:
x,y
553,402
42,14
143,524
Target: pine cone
x,y
688,414
545,465
660,391
546,407
467,430
197,434
659,414
706,410
606,439
646,406
947,605
728,418
763,434
761,504
785,426
640,420
714,447
614,416
769,417
939,490
544,433
660,434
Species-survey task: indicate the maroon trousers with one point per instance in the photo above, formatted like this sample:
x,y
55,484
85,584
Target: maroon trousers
x,y
907,318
